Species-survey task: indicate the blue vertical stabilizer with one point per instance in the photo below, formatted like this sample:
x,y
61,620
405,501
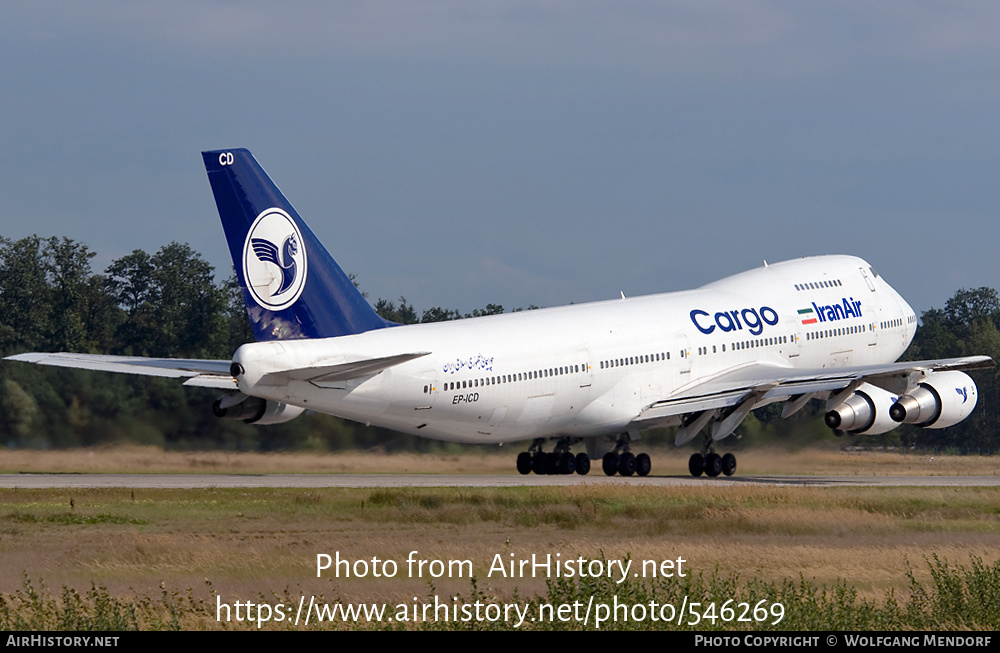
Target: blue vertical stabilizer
x,y
291,285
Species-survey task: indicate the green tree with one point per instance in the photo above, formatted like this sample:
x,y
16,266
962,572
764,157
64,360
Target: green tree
x,y
131,285
491,309
969,306
237,321
438,314
19,409
187,305
67,269
403,314
25,297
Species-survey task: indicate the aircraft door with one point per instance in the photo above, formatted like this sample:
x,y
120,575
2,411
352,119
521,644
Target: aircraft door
x,y
682,350
431,389
868,279
581,357
873,322
793,347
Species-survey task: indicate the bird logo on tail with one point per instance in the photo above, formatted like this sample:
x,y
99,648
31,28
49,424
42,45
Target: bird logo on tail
x,y
267,252
274,260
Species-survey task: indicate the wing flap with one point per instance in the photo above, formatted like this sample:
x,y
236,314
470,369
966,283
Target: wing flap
x,y
210,381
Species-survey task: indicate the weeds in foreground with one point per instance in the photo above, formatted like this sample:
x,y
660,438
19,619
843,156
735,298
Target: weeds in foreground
x,y
957,597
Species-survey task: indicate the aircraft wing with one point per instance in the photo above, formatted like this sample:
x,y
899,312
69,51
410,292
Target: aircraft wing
x,y
756,384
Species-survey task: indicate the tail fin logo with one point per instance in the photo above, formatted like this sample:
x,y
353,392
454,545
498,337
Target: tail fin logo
x,y
274,260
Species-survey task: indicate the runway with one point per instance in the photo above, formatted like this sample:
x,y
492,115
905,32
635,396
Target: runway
x,y
192,481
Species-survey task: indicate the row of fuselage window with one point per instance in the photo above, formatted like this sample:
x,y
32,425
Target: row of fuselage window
x,y
816,285
512,378
833,333
740,345
701,351
844,331
862,328
898,322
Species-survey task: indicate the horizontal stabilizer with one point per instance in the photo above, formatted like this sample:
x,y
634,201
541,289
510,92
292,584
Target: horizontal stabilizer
x,y
328,375
205,373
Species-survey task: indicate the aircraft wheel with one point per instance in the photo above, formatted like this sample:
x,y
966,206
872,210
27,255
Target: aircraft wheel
x,y
539,463
643,464
626,464
713,464
524,462
610,463
728,464
696,464
582,464
567,463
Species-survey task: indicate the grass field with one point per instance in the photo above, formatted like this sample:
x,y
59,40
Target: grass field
x,y
135,459
145,545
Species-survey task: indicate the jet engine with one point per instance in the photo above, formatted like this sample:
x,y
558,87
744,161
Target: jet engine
x,y
866,411
254,410
940,400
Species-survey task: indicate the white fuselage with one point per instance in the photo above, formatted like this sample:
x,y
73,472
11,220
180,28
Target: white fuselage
x,y
589,370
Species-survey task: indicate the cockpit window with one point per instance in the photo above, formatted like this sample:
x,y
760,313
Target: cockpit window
x,y
874,273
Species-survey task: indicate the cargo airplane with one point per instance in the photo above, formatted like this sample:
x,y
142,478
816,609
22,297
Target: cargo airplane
x,y
825,328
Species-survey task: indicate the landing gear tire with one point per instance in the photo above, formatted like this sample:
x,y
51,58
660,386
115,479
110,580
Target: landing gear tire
x,y
643,464
713,464
626,464
728,464
610,463
558,461
696,464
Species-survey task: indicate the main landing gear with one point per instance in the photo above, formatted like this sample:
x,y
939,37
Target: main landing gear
x,y
712,464
626,464
622,461
559,461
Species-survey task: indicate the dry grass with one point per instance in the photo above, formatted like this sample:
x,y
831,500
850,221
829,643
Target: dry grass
x,y
154,460
864,463
252,542
136,459
249,543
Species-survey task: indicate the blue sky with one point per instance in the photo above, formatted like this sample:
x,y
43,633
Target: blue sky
x,y
465,153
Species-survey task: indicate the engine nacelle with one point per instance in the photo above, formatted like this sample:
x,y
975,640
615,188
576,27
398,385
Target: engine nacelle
x,y
866,411
942,399
254,410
